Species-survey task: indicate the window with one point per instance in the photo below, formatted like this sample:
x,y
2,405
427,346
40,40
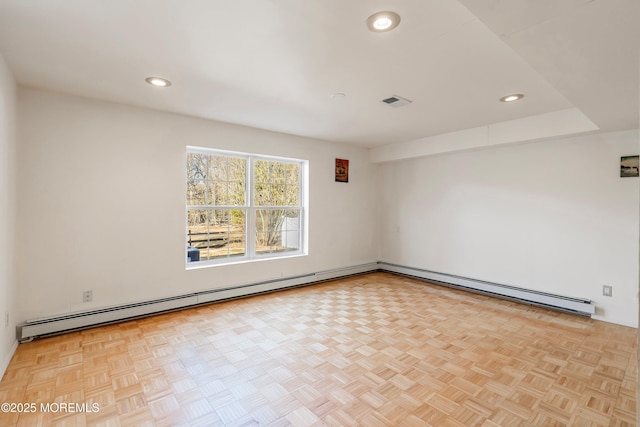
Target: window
x,y
242,206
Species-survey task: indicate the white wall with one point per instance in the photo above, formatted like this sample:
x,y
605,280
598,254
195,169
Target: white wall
x,y
8,284
101,189
552,216
101,204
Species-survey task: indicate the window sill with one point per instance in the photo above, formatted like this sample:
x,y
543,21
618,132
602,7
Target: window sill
x,y
206,264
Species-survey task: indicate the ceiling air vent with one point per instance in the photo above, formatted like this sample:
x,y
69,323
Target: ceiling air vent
x,y
396,101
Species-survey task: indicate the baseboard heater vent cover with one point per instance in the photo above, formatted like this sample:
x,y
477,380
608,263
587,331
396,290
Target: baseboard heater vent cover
x,y
580,306
76,321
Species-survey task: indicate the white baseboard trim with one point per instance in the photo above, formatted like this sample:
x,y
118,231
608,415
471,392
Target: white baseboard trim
x,y
8,357
615,322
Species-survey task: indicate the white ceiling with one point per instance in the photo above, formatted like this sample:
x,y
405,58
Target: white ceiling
x,y
274,64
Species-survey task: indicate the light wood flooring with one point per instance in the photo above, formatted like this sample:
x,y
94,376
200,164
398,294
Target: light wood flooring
x,y
370,350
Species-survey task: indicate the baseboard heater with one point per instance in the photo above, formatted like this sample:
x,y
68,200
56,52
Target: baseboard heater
x,y
580,306
37,328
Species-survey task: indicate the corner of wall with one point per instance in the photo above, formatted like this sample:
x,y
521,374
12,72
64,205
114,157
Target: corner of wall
x,y
7,359
8,208
638,305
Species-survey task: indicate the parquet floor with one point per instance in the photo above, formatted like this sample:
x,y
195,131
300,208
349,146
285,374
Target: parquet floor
x,y
370,350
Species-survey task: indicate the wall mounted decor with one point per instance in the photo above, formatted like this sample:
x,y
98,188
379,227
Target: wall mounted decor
x,y
342,170
628,166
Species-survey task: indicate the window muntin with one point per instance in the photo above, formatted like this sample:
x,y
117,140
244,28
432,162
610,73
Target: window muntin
x,y
227,223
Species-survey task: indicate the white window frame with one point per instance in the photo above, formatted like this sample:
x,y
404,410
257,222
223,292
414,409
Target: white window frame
x,y
251,209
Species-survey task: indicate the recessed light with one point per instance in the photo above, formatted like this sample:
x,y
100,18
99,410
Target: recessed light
x,y
512,97
383,21
158,81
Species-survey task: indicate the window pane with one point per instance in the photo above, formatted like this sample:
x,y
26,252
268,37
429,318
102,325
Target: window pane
x,y
262,194
217,193
195,193
237,227
261,173
196,167
237,169
236,193
291,230
268,237
198,231
276,184
226,233
270,171
217,233
278,170
293,196
225,181
217,168
196,171
277,195
293,185
293,174
277,230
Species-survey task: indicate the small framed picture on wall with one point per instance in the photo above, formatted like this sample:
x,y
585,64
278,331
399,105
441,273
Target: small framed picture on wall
x,y
628,166
342,170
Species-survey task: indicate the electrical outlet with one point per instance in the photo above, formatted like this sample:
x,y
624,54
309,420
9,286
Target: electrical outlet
x,y
607,290
87,296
